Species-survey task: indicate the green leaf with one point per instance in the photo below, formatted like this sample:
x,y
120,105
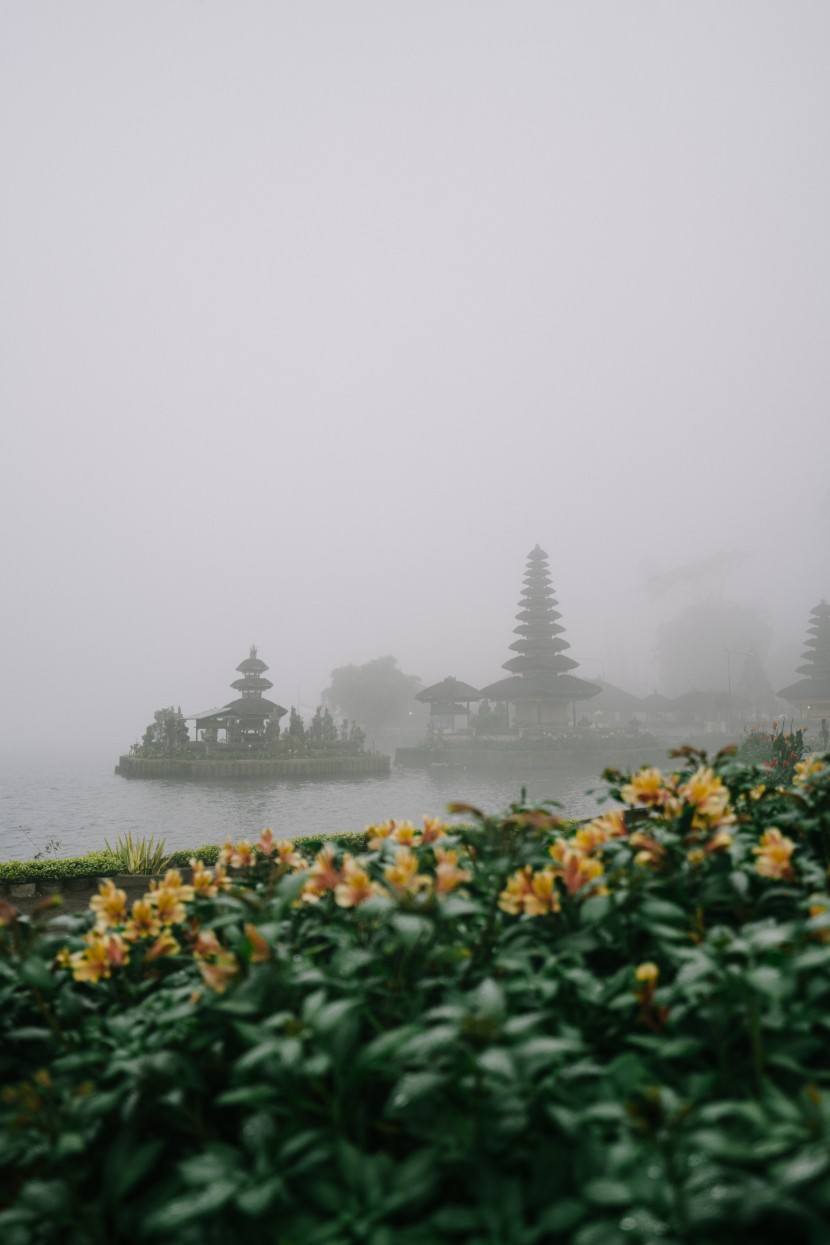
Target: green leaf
x,y
182,1210
256,1199
605,1192
132,1168
414,1087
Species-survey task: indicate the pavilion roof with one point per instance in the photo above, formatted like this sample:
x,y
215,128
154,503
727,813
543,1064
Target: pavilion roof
x,y
448,689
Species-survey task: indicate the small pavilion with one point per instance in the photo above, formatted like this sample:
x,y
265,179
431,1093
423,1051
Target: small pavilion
x,y
449,704
242,720
812,693
539,686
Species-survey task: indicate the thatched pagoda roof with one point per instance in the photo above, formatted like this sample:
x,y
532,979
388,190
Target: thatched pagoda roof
x,y
252,664
448,689
542,686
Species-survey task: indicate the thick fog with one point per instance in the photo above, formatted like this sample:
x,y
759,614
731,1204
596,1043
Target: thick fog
x,y
316,318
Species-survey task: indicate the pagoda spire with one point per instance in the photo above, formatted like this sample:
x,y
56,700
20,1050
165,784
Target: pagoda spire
x,y
812,693
252,684
540,684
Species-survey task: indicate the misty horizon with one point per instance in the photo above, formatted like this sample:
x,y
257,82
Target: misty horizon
x,y
316,319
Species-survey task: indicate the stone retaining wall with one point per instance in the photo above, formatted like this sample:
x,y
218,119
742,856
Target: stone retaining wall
x,y
288,767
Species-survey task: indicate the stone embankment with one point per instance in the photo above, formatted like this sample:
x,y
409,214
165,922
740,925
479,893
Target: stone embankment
x,y
72,894
285,767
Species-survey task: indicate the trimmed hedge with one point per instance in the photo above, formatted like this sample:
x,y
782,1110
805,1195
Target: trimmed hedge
x,y
105,864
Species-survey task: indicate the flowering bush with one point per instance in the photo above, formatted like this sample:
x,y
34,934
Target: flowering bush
x,y
513,1032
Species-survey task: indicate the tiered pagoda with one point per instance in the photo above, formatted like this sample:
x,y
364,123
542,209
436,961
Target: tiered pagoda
x,y
812,693
540,686
242,720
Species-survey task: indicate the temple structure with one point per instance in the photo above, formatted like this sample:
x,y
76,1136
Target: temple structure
x,y
242,720
812,693
449,704
540,687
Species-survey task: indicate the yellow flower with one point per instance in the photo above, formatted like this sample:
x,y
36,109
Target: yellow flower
x,y
709,798
244,856
647,973
225,852
804,769
356,886
143,922
447,873
169,907
403,875
102,953
377,835
288,857
109,905
819,907
774,852
203,880
647,787
534,894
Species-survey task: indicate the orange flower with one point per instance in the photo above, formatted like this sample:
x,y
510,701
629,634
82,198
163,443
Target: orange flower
x,y
260,947
356,885
8,913
143,922
266,843
203,881
773,853
578,871
109,905
650,854
323,875
165,944
606,827
207,945
219,973
434,829
225,852
447,873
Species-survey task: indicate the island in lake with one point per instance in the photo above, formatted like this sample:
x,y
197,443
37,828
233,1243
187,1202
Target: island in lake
x,y
245,739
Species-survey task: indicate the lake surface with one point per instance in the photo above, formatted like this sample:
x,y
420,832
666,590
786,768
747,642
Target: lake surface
x,y
81,802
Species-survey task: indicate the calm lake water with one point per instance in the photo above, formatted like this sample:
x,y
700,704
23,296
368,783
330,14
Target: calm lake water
x,y
81,802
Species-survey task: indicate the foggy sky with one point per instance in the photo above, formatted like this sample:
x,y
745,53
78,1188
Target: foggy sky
x,y
316,318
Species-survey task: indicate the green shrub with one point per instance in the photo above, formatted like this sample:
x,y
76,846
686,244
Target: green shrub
x,y
520,1033
138,855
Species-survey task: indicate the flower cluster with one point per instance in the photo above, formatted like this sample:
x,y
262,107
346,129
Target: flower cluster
x,y
118,931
